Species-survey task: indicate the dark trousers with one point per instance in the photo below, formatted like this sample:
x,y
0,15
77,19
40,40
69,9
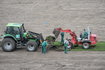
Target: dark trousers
x,y
65,49
44,49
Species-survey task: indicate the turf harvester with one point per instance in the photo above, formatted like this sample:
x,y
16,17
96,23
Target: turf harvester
x,y
15,35
74,41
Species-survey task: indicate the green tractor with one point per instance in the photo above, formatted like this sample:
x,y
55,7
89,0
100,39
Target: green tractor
x,y
15,35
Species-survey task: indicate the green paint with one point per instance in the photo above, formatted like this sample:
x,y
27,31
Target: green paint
x,y
9,35
32,39
14,24
25,34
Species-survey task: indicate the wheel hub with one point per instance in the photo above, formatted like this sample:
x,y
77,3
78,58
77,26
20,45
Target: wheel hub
x,y
8,46
86,45
31,47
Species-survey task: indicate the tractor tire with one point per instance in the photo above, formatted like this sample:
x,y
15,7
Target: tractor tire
x,y
86,45
8,45
32,46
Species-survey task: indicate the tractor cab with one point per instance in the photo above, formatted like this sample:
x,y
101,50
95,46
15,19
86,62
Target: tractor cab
x,y
87,39
16,30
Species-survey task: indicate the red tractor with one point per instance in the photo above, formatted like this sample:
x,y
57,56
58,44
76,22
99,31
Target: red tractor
x,y
86,42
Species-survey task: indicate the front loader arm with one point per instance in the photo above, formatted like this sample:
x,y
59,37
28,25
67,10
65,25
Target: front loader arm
x,y
37,36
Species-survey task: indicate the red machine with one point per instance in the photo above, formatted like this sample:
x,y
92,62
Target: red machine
x,y
86,43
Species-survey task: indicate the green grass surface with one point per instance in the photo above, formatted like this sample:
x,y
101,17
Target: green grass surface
x,y
100,46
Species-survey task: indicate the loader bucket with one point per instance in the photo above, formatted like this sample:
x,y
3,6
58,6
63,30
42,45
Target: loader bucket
x,y
56,33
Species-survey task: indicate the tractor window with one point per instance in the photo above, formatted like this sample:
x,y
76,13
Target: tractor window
x,y
16,30
12,30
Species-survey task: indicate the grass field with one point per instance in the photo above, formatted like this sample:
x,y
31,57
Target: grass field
x,y
100,46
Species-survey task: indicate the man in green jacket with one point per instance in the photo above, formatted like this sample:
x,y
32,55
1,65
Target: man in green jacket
x,y
66,43
85,34
44,45
62,37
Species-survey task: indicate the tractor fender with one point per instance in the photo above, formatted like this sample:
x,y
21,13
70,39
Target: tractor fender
x,y
10,36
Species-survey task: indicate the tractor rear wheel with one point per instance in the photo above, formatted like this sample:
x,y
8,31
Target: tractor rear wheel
x,y
86,45
32,46
8,45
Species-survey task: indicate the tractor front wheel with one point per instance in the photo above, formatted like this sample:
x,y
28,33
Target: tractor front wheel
x,y
86,45
32,46
8,45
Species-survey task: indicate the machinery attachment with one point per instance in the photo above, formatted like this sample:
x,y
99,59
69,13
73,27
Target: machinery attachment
x,y
37,36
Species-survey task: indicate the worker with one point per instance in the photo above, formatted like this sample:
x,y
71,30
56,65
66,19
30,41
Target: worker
x,y
70,44
44,45
66,43
85,34
62,37
81,36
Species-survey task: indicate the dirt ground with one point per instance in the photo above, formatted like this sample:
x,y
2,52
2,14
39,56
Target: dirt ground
x,y
53,60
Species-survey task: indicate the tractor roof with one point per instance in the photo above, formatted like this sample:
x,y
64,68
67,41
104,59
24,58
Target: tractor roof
x,y
14,24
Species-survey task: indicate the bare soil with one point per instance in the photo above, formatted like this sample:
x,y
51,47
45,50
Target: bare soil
x,y
52,60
